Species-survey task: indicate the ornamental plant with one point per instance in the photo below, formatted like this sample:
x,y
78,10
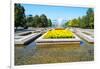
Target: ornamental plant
x,y
53,34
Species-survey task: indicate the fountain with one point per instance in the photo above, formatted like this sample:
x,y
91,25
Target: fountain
x,y
59,20
58,37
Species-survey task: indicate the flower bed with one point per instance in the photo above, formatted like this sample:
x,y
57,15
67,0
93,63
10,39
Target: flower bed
x,y
58,38
57,33
59,29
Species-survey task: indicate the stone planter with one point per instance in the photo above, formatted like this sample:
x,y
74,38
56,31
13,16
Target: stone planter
x,y
65,42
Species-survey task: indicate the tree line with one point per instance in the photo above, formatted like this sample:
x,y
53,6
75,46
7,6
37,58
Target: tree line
x,y
38,21
21,20
86,21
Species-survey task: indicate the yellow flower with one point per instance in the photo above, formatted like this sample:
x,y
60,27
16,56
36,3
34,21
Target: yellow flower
x,y
59,34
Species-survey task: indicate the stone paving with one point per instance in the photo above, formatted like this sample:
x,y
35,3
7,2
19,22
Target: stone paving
x,y
25,39
81,33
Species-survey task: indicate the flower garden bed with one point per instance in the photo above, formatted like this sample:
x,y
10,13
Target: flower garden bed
x,y
56,33
56,38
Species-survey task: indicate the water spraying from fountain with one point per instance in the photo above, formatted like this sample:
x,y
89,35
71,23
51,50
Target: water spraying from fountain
x,y
59,22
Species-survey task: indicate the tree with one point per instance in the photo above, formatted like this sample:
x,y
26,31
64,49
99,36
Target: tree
x,y
29,20
83,22
44,20
36,21
73,23
49,23
86,21
90,17
19,15
92,21
66,24
69,23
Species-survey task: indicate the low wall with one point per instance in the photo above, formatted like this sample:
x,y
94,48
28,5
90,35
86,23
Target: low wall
x,y
70,42
26,39
88,38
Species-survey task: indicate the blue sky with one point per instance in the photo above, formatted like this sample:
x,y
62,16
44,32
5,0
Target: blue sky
x,y
55,12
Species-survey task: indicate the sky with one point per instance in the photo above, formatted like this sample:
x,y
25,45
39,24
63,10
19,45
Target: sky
x,y
55,12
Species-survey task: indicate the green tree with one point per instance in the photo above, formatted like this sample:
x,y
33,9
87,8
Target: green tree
x,y
29,20
73,23
79,21
90,18
19,16
36,21
69,23
44,20
49,23
66,24
91,24
83,22
86,21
